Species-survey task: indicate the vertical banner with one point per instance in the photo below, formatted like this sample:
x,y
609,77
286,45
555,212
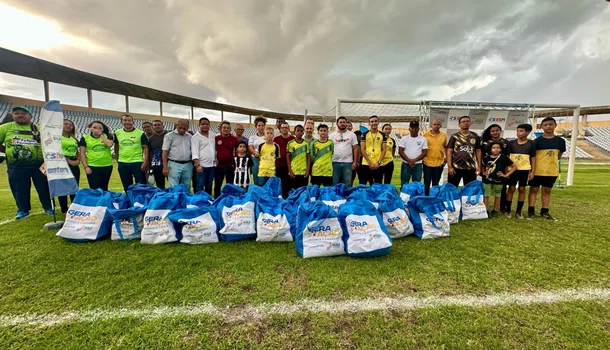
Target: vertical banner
x,y
59,175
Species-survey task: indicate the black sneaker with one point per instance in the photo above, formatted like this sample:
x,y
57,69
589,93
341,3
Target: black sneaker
x,y
493,214
530,216
548,217
519,216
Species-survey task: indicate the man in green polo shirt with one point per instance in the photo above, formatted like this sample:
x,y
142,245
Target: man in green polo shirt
x,y
24,157
131,148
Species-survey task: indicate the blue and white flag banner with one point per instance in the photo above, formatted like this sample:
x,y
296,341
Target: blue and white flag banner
x,y
59,175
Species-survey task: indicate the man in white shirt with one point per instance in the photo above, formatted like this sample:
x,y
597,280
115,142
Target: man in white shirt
x,y
345,155
412,149
203,148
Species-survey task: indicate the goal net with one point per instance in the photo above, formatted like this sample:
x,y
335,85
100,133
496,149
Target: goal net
x,y
482,115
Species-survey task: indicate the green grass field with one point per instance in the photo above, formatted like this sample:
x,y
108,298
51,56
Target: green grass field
x,y
42,277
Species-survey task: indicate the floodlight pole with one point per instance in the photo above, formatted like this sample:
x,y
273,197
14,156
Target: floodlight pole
x,y
575,119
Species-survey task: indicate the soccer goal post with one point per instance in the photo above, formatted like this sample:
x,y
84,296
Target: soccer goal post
x,y
482,114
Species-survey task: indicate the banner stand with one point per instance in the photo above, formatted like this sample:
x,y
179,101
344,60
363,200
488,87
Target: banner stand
x,y
60,180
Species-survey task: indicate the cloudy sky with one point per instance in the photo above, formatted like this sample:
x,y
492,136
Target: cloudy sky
x,y
294,55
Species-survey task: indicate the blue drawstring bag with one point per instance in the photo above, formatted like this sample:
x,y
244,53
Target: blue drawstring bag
x,y
318,231
157,226
198,224
237,217
331,198
296,199
313,191
138,193
473,206
87,218
411,189
338,189
450,196
273,186
199,199
366,194
394,215
429,216
365,234
382,188
272,223
127,223
228,190
358,188
180,188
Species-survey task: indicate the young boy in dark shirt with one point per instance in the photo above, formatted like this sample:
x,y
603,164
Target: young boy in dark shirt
x,y
522,152
496,165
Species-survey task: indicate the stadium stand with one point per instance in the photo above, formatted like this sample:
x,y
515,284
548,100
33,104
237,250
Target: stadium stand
x,y
579,152
5,107
600,137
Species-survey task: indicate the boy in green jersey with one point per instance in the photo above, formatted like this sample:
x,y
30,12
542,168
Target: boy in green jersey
x,y
322,151
298,157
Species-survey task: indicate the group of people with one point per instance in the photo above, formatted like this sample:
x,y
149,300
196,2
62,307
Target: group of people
x,y
207,160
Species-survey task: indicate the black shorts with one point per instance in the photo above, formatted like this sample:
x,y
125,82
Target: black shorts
x,y
322,180
544,181
520,177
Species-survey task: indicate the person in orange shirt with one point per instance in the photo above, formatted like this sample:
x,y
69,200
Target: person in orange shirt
x,y
435,159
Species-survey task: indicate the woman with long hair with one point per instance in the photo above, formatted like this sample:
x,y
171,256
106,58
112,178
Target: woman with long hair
x,y
96,155
69,147
493,134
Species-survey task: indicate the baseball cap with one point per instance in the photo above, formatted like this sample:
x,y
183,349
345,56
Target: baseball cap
x,y
22,108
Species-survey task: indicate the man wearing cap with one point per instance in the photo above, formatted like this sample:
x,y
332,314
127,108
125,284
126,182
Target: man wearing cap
x,y
412,148
24,158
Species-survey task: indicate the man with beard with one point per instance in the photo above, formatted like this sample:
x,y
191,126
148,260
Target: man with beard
x,y
345,155
24,157
155,147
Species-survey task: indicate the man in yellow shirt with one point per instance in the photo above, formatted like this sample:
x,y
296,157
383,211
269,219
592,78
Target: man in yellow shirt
x,y
435,159
373,146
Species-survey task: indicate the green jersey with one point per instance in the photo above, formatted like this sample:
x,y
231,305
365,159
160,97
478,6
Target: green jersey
x,y
298,156
130,145
97,154
22,142
69,147
322,153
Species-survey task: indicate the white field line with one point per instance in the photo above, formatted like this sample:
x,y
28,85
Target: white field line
x,y
11,220
249,313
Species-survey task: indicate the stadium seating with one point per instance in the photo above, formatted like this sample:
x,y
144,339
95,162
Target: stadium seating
x,y
5,107
600,137
579,152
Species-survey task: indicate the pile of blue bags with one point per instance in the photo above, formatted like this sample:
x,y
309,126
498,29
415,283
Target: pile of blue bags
x,y
360,221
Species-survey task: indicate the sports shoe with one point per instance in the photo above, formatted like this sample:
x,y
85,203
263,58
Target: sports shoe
x,y
548,217
519,216
508,214
493,214
50,212
530,216
21,215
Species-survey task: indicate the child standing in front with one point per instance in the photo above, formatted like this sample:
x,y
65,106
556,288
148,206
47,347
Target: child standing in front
x,y
496,164
298,157
549,149
522,152
243,164
322,152
269,151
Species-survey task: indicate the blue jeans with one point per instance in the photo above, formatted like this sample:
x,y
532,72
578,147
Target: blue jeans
x,y
255,162
408,174
179,174
204,180
342,173
432,176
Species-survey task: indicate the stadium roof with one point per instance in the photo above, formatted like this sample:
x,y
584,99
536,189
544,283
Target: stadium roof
x,y
19,64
